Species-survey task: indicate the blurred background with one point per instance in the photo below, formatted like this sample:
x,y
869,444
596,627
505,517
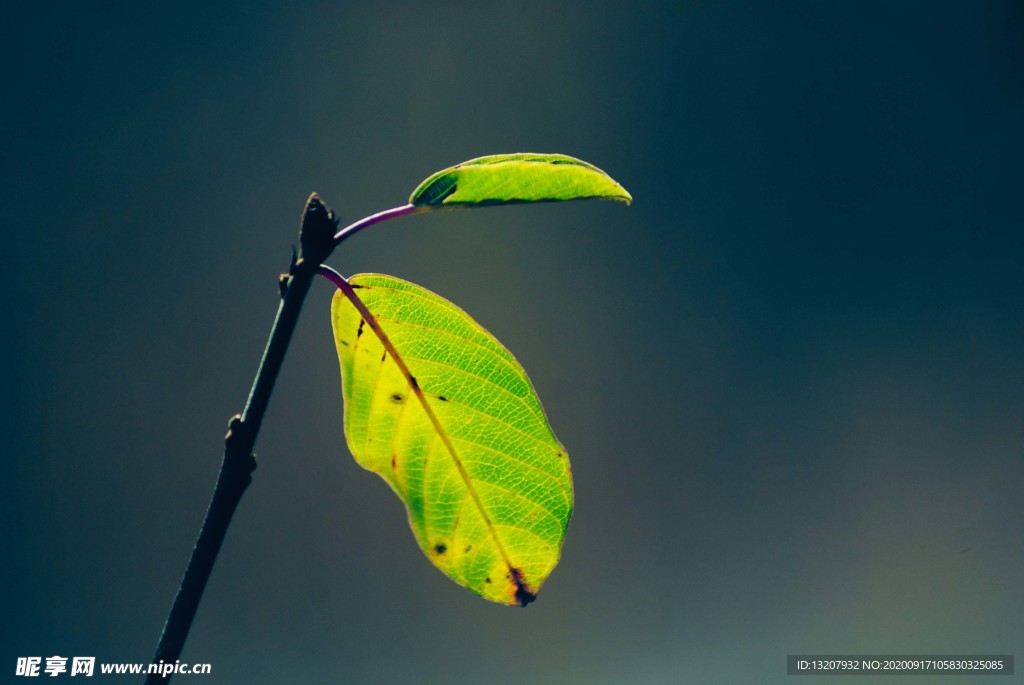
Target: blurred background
x,y
790,377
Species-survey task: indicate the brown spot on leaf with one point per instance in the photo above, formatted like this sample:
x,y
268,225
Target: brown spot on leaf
x,y
397,397
442,398
523,594
468,547
440,548
359,331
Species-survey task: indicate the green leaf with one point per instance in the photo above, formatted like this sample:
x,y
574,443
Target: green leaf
x,y
522,177
446,415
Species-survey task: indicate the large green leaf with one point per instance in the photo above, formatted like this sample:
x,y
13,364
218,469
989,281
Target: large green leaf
x,y
523,177
446,415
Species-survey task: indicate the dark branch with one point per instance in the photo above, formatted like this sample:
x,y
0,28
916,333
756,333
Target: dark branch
x,y
316,238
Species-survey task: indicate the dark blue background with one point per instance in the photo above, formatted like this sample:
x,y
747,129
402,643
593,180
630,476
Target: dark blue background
x,y
790,376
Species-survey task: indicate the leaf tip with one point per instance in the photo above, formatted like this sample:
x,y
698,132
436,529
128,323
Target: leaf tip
x,y
523,594
623,196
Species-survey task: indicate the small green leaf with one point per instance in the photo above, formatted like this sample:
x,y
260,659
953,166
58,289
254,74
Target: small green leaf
x,y
446,415
522,177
